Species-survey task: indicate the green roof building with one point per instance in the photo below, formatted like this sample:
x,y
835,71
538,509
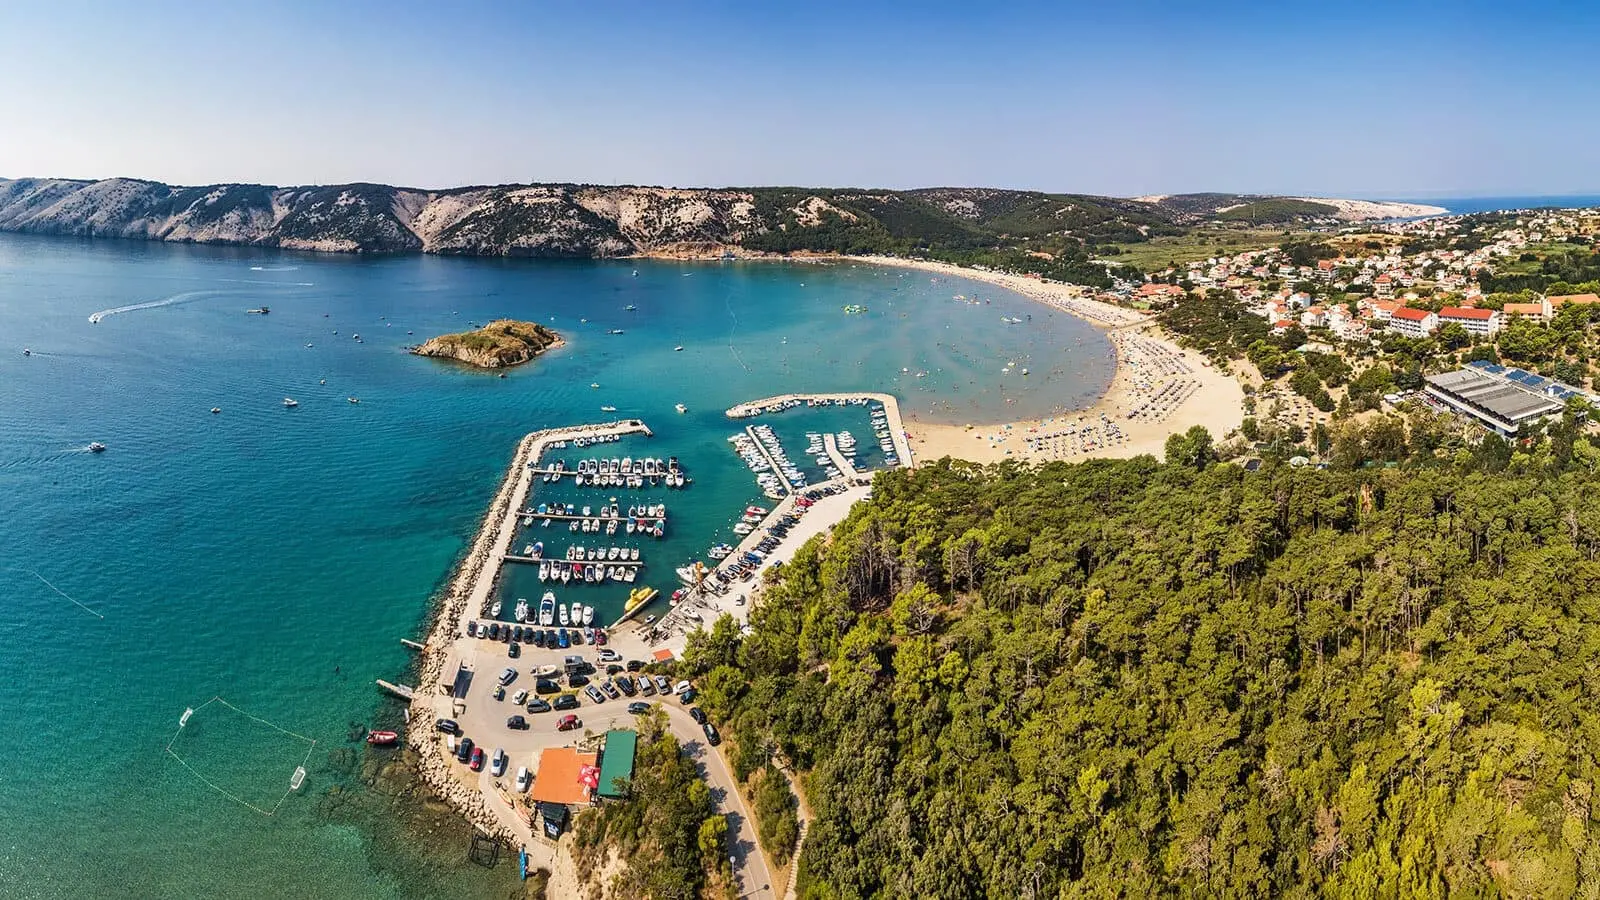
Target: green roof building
x,y
616,763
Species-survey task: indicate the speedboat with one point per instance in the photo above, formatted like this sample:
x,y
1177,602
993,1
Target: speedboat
x,y
215,410
538,549
97,447
547,609
633,554
561,614
544,571
290,402
382,738
608,409
577,613
588,615
522,610
678,349
495,609
681,408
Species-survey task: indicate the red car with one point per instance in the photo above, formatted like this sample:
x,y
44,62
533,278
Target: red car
x,y
477,759
567,723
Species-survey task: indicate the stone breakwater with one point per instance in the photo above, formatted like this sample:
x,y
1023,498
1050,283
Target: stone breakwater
x,y
475,577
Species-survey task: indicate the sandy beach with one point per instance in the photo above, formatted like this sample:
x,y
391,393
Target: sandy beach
x,y
1159,389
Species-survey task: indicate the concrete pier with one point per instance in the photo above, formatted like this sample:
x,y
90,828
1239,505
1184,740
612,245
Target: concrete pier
x,y
830,443
891,407
767,455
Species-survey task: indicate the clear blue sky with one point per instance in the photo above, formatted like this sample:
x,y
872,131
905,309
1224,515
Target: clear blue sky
x,y
1356,98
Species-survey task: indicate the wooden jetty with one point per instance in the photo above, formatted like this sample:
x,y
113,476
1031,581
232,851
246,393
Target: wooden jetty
x,y
399,690
621,517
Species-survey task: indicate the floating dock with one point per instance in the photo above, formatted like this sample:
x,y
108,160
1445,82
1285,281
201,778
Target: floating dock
x,y
536,560
891,408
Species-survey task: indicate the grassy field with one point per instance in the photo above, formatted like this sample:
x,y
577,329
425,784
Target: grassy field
x,y
1202,243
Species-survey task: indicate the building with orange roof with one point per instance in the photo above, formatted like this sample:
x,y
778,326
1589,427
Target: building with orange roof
x,y
559,778
1579,299
1539,311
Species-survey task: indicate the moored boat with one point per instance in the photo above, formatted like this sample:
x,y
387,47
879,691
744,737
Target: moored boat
x,y
382,738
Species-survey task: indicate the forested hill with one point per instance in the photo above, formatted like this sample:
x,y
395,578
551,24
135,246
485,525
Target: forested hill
x,y
1053,234
1123,678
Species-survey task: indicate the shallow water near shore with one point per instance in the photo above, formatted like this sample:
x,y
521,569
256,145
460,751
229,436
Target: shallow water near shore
x,y
275,556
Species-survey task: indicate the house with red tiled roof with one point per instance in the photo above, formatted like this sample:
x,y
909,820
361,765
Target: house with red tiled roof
x,y
1562,300
1475,321
1413,322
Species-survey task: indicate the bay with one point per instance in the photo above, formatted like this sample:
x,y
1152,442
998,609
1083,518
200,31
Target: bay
x,y
273,557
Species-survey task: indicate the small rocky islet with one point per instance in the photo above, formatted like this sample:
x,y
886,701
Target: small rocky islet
x,y
497,345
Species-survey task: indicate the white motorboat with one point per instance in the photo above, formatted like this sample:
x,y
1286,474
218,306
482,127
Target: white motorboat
x,y
566,574
547,609
544,571
681,408
588,615
494,610
290,402
522,610
561,614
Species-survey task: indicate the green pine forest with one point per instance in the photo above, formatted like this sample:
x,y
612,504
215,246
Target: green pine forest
x,y
1135,678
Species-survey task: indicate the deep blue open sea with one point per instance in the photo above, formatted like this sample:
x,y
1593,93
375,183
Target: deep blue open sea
x,y
274,557
1464,205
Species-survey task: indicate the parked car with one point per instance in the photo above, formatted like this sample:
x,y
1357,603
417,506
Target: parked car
x,y
514,651
646,686
497,766
638,707
711,734
538,705
566,701
663,685
609,655
472,628
635,665
494,631
464,749
562,639
594,694
680,687
697,714
517,723
546,686
626,684
499,692
524,780
610,689
688,696
508,676
613,669
520,697
568,723
476,764
576,680
448,726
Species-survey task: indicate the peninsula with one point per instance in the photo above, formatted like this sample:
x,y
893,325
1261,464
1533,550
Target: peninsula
x,y
499,344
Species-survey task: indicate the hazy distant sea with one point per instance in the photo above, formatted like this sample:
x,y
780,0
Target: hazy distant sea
x,y
1464,205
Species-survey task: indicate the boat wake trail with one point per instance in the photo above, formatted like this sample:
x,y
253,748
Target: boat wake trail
x,y
185,297
64,594
188,297
728,302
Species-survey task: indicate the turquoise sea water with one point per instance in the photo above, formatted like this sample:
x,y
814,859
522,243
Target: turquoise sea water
x,y
274,556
